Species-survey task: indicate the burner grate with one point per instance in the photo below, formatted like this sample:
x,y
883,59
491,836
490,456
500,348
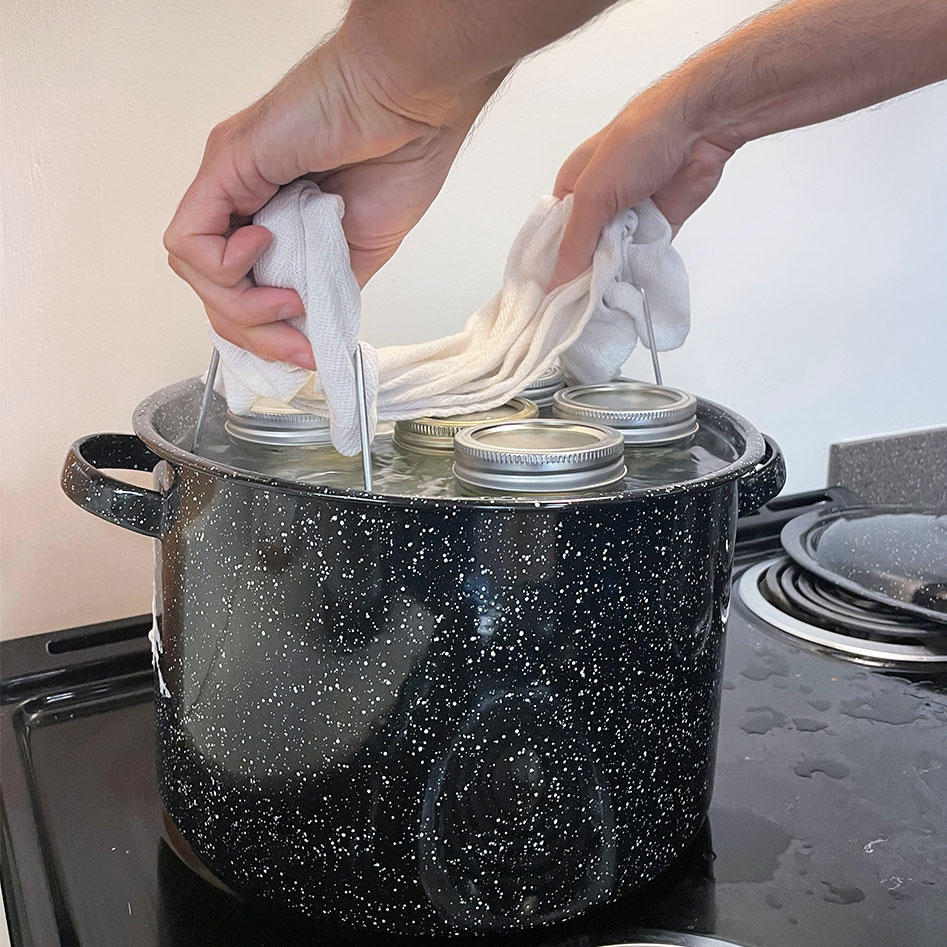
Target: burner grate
x,y
789,587
791,600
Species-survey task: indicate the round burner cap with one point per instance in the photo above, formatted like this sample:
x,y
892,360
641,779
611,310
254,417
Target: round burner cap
x,y
436,435
278,424
645,414
539,455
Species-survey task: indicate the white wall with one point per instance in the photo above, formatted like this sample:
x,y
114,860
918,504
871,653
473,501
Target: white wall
x,y
817,270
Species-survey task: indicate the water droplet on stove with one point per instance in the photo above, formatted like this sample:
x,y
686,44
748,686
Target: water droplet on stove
x,y
820,705
773,900
832,768
761,720
766,665
750,848
892,707
808,724
842,894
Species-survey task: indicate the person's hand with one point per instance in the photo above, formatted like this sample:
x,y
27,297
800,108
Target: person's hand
x,y
335,119
647,150
799,63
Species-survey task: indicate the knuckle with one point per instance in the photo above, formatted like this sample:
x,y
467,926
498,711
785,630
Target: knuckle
x,y
567,252
239,308
564,183
230,275
217,137
223,327
242,317
588,193
265,350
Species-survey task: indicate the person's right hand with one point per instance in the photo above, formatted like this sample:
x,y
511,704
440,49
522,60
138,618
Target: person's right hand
x,y
344,123
648,150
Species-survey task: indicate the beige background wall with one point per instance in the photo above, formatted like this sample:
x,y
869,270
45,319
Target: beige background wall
x,y
817,271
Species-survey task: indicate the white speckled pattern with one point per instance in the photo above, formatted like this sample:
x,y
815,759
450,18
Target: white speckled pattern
x,y
436,717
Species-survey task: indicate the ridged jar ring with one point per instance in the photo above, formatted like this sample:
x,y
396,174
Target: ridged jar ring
x,y
436,435
277,424
543,387
539,455
645,414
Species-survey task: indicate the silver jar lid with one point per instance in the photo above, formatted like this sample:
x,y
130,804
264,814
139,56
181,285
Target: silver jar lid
x,y
436,435
542,388
277,424
645,414
539,455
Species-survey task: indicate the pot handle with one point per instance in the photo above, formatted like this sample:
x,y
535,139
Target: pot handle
x,y
135,508
764,481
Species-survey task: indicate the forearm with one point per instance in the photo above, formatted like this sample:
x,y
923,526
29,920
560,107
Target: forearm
x,y
807,61
432,52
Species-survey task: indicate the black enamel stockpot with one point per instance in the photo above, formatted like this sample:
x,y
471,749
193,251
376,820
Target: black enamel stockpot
x,y
429,716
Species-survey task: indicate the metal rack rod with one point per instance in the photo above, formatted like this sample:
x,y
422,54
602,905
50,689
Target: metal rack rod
x,y
205,401
654,352
363,418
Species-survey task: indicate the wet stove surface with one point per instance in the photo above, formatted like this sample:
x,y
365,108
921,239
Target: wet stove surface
x,y
828,826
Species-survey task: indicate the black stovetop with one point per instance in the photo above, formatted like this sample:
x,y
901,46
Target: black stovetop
x,y
828,826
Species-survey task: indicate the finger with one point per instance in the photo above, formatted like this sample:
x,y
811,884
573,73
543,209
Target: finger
x,y
243,304
275,341
227,186
280,342
630,163
570,171
591,210
224,259
575,164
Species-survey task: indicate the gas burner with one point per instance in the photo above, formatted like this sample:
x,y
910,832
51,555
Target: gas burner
x,y
787,597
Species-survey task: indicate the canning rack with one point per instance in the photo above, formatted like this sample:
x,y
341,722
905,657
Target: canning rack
x,y
362,395
360,391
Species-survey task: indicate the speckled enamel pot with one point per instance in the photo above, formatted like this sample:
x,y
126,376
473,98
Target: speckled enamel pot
x,y
429,716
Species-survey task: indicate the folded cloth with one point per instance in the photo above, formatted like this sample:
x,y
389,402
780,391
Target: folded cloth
x,y
591,325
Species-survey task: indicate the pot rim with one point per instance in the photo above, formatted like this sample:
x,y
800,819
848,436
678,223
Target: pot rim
x,y
144,426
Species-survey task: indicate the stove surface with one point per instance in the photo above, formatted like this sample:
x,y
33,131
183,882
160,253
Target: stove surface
x,y
828,826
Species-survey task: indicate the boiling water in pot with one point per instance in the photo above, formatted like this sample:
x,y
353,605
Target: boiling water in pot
x,y
398,472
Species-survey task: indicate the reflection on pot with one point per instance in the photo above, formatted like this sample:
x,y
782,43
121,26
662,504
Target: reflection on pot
x,y
194,912
492,844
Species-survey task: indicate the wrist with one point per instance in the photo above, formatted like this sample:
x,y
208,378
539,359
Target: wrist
x,y
706,113
398,73
670,113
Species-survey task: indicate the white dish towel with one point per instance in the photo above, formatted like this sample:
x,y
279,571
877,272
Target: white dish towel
x,y
590,325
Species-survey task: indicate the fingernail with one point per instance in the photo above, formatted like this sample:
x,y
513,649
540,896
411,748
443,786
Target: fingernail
x,y
303,359
289,312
